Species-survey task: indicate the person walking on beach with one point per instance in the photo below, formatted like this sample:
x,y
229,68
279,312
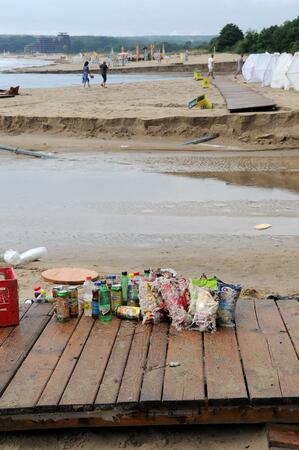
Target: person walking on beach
x,y
211,66
86,74
239,66
103,71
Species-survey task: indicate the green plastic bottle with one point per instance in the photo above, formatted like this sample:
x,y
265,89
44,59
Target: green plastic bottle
x,y
124,287
105,305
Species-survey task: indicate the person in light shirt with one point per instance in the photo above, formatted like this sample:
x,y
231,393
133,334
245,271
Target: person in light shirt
x,y
211,67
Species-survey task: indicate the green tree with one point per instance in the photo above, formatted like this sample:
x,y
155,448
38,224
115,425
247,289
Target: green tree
x,y
229,36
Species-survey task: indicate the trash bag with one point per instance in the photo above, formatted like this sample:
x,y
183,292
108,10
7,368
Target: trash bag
x,y
203,309
228,295
149,307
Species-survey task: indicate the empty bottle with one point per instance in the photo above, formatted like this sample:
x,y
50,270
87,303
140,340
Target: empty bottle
x,y
124,287
104,306
88,287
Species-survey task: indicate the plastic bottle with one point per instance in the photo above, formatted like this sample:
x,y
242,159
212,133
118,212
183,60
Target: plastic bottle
x,y
37,291
105,306
111,280
124,287
130,295
136,283
88,287
147,273
95,300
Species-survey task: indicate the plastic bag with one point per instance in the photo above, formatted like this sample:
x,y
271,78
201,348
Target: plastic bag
x,y
228,295
203,309
148,303
14,258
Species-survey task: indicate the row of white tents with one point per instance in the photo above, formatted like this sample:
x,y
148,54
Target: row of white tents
x,y
280,71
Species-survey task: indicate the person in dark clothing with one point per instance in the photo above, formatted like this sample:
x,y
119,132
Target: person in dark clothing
x,y
103,71
86,74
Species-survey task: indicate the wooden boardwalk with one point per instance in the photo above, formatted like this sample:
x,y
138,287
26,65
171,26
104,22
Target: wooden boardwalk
x,y
88,374
242,98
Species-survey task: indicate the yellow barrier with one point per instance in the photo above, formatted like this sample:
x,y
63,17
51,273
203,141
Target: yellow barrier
x,y
198,76
204,103
205,83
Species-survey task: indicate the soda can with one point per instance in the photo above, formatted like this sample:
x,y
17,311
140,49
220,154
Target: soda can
x,y
128,312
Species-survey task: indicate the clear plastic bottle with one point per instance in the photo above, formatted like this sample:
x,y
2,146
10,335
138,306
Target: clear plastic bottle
x,y
130,295
88,287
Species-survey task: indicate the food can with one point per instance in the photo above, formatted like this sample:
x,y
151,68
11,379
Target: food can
x,y
56,290
116,297
62,309
128,312
73,301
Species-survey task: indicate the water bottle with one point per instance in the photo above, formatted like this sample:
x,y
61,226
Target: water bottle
x,y
124,287
88,287
105,305
130,294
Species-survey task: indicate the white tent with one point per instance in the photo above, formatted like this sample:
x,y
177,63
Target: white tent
x,y
279,77
249,66
270,69
293,72
261,64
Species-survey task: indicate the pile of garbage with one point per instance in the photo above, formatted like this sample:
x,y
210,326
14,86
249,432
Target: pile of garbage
x,y
192,304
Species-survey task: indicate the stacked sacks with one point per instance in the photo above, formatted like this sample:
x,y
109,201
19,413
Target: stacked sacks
x,y
190,304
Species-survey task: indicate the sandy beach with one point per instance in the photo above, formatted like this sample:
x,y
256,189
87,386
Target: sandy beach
x,y
156,109
122,188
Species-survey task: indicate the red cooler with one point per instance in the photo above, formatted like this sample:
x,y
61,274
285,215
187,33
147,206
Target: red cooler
x,y
9,298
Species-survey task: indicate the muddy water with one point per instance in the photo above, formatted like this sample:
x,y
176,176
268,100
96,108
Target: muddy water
x,y
85,200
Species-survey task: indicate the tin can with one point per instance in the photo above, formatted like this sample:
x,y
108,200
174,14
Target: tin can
x,y
73,301
116,297
62,309
128,312
56,290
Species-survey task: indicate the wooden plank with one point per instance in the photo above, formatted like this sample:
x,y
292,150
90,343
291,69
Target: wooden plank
x,y
18,344
24,390
224,375
289,310
283,354
84,383
283,436
152,387
184,383
262,378
57,383
132,379
110,385
5,332
241,97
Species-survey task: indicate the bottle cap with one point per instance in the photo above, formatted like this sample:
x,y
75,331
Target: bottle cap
x,y
88,278
98,283
136,274
131,275
124,274
37,287
62,294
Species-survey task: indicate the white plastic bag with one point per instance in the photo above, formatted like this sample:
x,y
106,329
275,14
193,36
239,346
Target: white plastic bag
x,y
14,258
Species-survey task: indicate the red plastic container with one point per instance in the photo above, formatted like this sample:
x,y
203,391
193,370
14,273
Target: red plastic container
x,y
9,298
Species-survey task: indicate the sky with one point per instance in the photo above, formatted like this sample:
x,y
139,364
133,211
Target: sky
x,y
140,17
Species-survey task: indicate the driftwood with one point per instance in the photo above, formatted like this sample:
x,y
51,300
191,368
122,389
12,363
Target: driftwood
x,y
202,139
21,151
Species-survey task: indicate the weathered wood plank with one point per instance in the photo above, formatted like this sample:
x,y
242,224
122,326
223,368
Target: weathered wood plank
x,y
240,97
153,379
24,390
84,383
5,332
289,310
17,345
110,385
132,379
224,375
261,375
283,436
58,381
184,383
283,354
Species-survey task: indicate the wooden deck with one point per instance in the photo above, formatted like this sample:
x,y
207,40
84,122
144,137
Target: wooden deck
x,y
87,374
242,98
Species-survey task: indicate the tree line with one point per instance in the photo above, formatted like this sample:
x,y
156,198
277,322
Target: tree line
x,y
277,38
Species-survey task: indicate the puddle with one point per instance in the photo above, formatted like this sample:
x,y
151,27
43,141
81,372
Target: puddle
x,y
94,198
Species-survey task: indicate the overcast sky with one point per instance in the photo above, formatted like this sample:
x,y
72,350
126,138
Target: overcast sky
x,y
137,17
